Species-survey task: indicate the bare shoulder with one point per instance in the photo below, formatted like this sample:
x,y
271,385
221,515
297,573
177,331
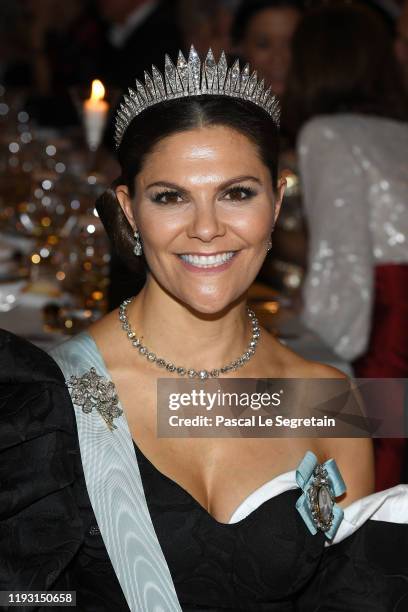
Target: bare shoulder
x,y
354,456
315,369
296,366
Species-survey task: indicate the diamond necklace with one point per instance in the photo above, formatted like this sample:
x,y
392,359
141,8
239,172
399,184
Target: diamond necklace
x,y
190,372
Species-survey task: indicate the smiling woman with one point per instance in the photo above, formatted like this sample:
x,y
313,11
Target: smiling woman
x,y
211,194
167,134
252,524
198,196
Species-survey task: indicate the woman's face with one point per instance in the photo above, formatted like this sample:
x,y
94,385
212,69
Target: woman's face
x,y
267,44
205,208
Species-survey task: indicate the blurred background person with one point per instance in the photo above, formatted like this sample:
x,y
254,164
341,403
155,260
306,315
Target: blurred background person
x,y
262,34
61,46
401,42
9,19
387,9
207,23
129,28
56,46
345,101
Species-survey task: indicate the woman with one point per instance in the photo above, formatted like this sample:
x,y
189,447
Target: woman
x,y
345,94
207,523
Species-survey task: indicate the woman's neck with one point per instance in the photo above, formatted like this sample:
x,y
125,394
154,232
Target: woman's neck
x,y
191,339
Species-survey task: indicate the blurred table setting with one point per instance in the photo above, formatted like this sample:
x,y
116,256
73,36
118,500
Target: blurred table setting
x,y
54,253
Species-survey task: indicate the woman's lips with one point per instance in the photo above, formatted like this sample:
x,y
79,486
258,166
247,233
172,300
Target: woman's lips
x,y
209,269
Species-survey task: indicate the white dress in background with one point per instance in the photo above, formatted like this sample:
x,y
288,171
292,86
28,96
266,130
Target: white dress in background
x,y
354,173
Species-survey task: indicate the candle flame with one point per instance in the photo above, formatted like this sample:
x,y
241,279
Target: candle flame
x,y
98,90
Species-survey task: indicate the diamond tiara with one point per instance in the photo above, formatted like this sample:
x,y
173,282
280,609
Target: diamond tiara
x,y
191,78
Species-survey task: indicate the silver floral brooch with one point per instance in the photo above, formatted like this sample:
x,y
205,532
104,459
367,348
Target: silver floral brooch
x,y
91,391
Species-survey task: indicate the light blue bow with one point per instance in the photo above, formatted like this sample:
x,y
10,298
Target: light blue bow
x,y
305,479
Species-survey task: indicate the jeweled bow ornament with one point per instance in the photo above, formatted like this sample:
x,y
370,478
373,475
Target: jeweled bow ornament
x,y
193,78
321,484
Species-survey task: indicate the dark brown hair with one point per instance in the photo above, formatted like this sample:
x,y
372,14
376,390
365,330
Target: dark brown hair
x,y
165,119
342,61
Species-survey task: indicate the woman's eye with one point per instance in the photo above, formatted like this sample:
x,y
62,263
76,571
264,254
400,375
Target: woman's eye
x,y
240,193
167,197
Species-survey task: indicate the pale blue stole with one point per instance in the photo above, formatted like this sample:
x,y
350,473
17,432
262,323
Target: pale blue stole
x,y
116,492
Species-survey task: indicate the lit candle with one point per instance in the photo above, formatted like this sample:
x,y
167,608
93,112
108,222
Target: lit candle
x,y
95,115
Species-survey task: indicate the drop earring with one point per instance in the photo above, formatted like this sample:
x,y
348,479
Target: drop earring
x,y
269,243
137,249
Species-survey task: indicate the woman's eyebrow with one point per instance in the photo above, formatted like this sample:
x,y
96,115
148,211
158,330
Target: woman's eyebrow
x,y
236,179
240,179
166,184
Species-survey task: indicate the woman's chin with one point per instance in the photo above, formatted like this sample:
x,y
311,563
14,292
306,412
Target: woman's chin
x,y
214,305
205,299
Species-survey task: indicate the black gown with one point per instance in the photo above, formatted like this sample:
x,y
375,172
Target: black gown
x,y
268,561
